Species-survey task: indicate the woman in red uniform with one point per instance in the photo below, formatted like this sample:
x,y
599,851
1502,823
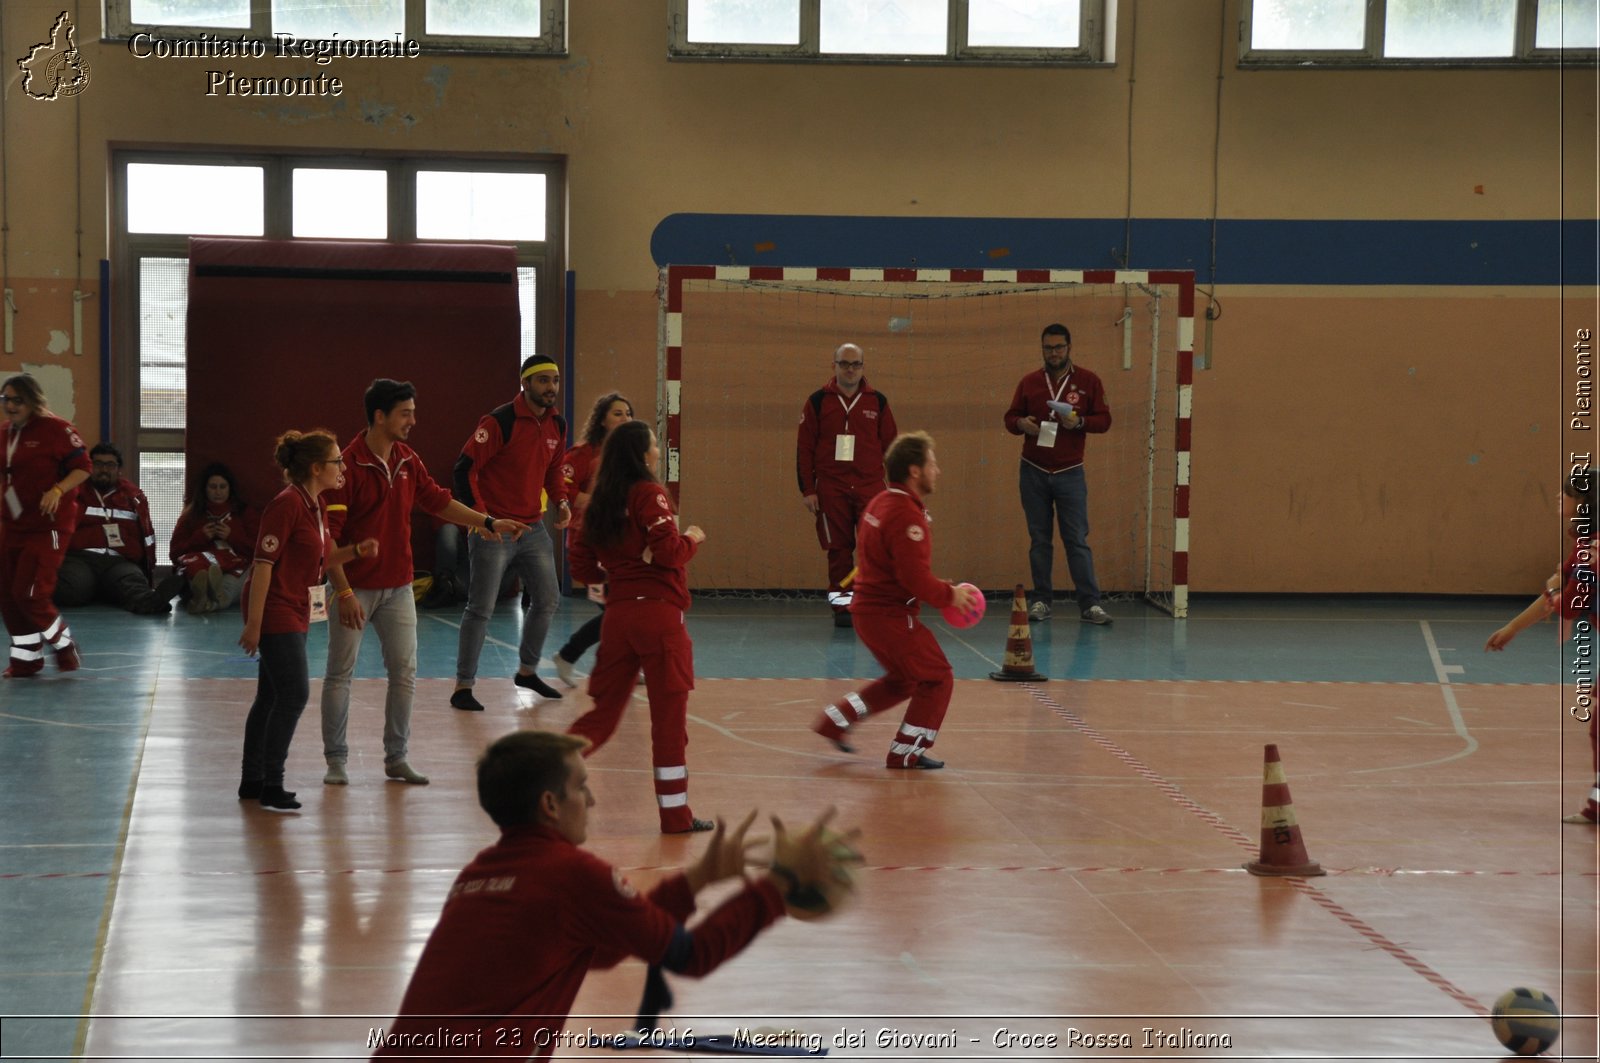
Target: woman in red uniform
x,y
45,462
631,541
577,469
286,575
214,540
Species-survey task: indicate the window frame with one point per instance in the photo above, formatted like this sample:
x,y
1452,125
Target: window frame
x,y
547,257
1095,19
551,42
1370,54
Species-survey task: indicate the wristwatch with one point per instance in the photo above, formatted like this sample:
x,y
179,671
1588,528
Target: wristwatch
x,y
488,522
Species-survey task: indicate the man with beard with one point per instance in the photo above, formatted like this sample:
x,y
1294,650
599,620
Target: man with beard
x,y
514,452
112,557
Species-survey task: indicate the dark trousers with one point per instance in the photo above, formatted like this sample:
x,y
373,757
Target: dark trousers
x,y
583,638
282,689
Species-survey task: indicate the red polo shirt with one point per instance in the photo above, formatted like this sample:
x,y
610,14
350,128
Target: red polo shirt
x,y
376,503
294,541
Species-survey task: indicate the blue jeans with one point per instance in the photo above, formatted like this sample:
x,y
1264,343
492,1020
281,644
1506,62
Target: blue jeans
x,y
392,616
533,559
282,689
1066,495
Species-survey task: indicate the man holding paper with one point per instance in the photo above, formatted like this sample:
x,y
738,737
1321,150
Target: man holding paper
x,y
1054,409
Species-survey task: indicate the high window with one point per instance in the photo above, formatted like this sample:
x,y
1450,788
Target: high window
x,y
530,26
992,31
1416,32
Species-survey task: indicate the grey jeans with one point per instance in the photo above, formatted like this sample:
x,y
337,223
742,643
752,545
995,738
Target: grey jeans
x,y
392,616
533,559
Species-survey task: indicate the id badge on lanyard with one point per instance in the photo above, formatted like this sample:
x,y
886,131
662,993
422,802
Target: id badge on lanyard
x,y
844,448
1047,433
319,603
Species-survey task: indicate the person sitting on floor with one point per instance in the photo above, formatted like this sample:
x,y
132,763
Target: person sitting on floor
x,y
112,555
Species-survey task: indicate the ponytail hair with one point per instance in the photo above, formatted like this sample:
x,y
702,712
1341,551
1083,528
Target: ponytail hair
x,y
295,452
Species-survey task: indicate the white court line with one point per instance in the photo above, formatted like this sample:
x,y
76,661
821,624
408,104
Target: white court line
x,y
1442,672
68,723
1308,705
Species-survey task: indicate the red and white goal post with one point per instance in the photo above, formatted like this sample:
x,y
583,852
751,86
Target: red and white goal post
x,y
740,349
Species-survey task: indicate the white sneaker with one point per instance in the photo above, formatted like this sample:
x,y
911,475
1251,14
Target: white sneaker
x,y
566,670
1096,615
1039,611
335,775
404,772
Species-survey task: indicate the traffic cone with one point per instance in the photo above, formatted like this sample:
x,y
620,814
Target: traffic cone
x,y
1018,666
1283,851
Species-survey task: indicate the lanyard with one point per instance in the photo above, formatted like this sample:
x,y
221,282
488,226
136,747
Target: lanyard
x,y
848,406
1056,394
13,437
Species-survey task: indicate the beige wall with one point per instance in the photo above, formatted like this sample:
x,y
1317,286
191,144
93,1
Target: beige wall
x,y
1347,439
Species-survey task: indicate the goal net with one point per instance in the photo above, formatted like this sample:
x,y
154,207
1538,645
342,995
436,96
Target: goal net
x,y
742,348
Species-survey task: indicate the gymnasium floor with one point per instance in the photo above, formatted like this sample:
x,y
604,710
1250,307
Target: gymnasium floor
x,y
1074,872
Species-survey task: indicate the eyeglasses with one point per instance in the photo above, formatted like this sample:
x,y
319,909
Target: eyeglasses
x,y
113,465
1055,346
335,461
12,400
850,365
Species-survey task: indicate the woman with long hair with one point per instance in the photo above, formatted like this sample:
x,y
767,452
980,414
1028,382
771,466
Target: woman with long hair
x,y
631,541
284,585
214,540
45,461
578,469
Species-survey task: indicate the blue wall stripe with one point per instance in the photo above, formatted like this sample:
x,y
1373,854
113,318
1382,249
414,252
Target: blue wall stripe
x,y
1249,251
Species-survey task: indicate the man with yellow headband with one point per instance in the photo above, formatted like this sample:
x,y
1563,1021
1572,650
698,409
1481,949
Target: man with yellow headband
x,y
509,466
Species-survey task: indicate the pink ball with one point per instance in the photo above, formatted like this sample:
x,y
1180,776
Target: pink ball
x,y
958,618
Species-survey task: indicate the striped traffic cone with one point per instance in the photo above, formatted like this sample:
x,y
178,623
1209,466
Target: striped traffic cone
x,y
1283,851
1018,665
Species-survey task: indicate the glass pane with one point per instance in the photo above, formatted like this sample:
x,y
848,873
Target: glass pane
x,y
195,200
483,18
190,13
163,314
347,203
462,205
1432,29
350,19
1308,25
527,303
1567,24
1023,23
744,21
161,480
872,27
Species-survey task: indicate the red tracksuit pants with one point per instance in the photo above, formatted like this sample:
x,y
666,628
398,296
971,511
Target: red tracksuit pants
x,y
649,635
29,563
838,512
915,668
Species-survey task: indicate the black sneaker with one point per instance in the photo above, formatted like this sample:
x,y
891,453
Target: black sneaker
x,y
842,619
277,799
463,700
250,789
532,682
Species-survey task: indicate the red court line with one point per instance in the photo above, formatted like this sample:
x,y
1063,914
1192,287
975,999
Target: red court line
x,y
1183,801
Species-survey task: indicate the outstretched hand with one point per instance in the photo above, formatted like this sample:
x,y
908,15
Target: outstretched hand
x,y
816,855
726,855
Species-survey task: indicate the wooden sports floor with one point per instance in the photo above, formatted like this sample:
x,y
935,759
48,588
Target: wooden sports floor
x,y
1070,886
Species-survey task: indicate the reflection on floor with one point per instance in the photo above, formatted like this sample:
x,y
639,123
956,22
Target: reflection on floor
x,y
1074,872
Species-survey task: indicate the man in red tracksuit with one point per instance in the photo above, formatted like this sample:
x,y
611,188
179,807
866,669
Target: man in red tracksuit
x,y
895,574
533,914
112,555
845,427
